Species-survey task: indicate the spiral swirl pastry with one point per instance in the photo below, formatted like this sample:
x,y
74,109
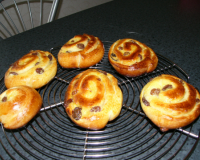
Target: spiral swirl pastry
x,y
132,58
34,69
170,102
93,98
18,105
81,51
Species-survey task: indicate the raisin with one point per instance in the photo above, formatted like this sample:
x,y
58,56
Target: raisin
x,y
72,41
39,70
120,48
4,99
75,92
113,55
99,79
68,52
37,63
13,73
181,81
197,100
126,53
146,103
76,113
68,102
95,109
11,65
35,54
155,91
140,56
104,72
168,86
50,57
80,46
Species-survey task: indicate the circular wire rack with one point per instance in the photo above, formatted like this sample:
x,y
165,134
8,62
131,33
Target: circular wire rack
x,y
52,135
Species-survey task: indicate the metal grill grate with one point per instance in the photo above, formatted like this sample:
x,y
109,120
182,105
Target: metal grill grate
x,y
52,135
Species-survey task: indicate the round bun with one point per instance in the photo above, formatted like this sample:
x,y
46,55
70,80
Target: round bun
x,y
132,58
82,51
170,102
34,69
18,105
93,98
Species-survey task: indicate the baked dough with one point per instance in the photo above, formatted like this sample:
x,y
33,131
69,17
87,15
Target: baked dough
x,y
34,69
93,98
18,105
132,58
170,102
81,51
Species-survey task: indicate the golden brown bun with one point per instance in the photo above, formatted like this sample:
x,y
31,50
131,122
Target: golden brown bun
x,y
170,102
18,105
93,98
34,69
132,58
82,51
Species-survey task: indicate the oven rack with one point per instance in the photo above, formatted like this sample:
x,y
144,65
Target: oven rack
x,y
52,135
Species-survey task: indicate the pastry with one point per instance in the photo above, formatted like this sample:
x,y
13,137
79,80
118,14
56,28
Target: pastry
x,y
81,51
93,98
132,58
18,105
170,102
34,69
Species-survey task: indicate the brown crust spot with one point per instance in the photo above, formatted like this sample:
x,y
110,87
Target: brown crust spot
x,y
39,70
168,86
95,109
4,99
76,113
68,102
146,103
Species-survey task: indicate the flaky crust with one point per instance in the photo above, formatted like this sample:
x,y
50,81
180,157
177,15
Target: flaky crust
x,y
81,51
93,98
34,69
170,102
132,58
18,105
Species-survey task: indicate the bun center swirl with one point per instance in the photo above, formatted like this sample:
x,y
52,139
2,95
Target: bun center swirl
x,y
88,91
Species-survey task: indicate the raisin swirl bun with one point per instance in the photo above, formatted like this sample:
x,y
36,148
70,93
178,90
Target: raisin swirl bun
x,y
93,98
132,58
18,105
34,69
170,102
81,51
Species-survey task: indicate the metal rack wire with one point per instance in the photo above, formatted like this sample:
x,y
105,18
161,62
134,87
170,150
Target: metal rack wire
x,y
52,135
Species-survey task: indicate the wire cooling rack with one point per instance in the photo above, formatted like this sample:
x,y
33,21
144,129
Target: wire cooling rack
x,y
52,135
